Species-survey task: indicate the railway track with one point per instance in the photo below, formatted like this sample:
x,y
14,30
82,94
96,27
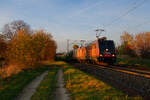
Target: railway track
x,y
124,69
132,81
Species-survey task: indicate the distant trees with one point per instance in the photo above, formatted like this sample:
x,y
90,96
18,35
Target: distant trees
x,y
126,47
26,47
133,45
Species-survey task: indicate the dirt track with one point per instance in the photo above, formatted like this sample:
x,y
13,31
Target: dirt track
x,y
61,92
30,89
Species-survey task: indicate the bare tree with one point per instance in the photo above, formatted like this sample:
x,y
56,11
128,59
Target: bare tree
x,y
11,28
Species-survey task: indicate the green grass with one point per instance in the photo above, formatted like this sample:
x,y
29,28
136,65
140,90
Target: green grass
x,y
134,61
86,87
47,86
12,86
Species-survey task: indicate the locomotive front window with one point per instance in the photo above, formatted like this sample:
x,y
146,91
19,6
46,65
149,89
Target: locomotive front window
x,y
103,45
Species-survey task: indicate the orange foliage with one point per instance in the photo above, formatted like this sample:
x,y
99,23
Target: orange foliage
x,y
45,45
30,49
22,48
140,43
127,40
9,70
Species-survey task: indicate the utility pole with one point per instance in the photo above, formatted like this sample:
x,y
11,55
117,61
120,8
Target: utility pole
x,y
67,45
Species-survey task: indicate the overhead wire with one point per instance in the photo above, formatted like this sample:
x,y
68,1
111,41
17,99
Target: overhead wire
x,y
147,22
136,5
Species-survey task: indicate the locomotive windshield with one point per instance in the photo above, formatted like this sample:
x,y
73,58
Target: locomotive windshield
x,y
106,44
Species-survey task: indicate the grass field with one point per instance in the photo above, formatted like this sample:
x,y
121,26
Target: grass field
x,y
47,86
85,87
134,61
12,86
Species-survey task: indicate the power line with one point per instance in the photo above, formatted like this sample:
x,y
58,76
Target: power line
x,y
136,5
139,25
87,8
147,22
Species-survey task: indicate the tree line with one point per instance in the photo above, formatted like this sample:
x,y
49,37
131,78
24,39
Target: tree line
x,y
135,45
19,44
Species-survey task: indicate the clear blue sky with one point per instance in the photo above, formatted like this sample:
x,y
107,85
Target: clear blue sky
x,y
77,19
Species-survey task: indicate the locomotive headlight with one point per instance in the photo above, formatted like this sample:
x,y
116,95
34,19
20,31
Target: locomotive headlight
x,y
101,55
113,55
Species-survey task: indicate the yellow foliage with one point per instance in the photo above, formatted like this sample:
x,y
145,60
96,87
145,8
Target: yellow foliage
x,y
139,43
128,40
23,47
30,49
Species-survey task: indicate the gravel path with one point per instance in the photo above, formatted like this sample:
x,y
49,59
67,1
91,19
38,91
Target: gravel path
x,y
61,92
30,89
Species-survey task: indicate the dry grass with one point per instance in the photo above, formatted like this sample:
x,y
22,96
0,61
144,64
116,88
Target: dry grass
x,y
85,87
53,62
14,68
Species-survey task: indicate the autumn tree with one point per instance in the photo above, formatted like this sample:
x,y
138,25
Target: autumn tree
x,y
26,47
142,43
45,45
127,44
138,44
20,49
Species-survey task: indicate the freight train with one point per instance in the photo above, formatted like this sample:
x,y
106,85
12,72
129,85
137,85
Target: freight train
x,y
101,50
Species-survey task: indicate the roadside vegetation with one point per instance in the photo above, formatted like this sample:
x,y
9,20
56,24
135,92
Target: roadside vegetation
x,y
12,86
135,45
22,53
23,48
134,49
86,87
47,86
